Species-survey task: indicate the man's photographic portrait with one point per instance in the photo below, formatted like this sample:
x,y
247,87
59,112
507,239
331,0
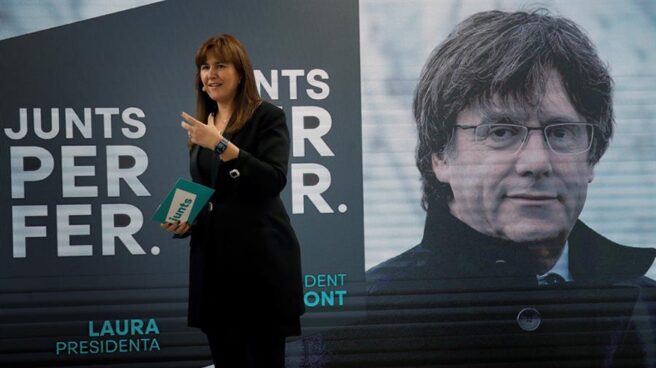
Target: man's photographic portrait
x,y
514,112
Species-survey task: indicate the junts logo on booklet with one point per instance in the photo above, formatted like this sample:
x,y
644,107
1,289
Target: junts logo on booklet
x,y
181,206
183,202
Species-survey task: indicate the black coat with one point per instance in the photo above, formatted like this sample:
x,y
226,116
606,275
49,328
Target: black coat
x,y
457,299
244,253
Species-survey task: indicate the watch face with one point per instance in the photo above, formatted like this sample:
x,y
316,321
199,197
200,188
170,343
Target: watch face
x,y
221,146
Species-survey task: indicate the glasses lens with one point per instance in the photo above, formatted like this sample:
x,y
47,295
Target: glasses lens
x,y
500,136
569,138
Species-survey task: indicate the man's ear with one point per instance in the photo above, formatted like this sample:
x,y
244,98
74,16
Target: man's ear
x,y
591,173
441,167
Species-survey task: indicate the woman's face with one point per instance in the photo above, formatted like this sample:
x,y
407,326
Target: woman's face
x,y
220,79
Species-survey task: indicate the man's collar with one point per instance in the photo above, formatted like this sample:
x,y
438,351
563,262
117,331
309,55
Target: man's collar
x,y
591,257
561,267
455,240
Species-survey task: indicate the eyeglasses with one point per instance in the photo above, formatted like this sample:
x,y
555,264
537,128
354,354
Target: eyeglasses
x,y
562,138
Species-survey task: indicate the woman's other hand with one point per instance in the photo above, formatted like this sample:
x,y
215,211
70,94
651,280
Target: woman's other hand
x,y
205,135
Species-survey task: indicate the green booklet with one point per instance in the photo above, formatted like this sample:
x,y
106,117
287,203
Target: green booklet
x,y
183,203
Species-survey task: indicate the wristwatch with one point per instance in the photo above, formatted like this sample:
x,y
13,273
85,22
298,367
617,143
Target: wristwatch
x,y
221,146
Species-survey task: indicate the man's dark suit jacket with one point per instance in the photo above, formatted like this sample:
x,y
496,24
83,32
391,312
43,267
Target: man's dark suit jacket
x,y
457,299
245,256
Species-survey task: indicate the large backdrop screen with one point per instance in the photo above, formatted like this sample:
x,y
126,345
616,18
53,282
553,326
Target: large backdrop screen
x,y
90,143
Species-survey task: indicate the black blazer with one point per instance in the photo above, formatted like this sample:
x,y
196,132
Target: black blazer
x,y
244,253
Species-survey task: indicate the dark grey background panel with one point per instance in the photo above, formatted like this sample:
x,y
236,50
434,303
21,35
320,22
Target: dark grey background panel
x,y
126,77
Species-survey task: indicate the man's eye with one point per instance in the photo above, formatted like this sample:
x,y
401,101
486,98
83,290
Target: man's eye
x,y
567,131
204,67
500,132
559,132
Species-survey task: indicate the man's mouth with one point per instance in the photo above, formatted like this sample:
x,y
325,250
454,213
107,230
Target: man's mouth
x,y
214,84
533,197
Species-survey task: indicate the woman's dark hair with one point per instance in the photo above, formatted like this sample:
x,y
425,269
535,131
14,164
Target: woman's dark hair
x,y
227,48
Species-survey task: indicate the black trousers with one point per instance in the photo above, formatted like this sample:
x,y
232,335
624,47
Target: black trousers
x,y
243,350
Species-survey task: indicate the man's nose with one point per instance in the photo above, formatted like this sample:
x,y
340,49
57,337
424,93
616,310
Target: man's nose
x,y
534,158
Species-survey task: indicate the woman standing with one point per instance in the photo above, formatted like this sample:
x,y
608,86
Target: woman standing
x,y
245,289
